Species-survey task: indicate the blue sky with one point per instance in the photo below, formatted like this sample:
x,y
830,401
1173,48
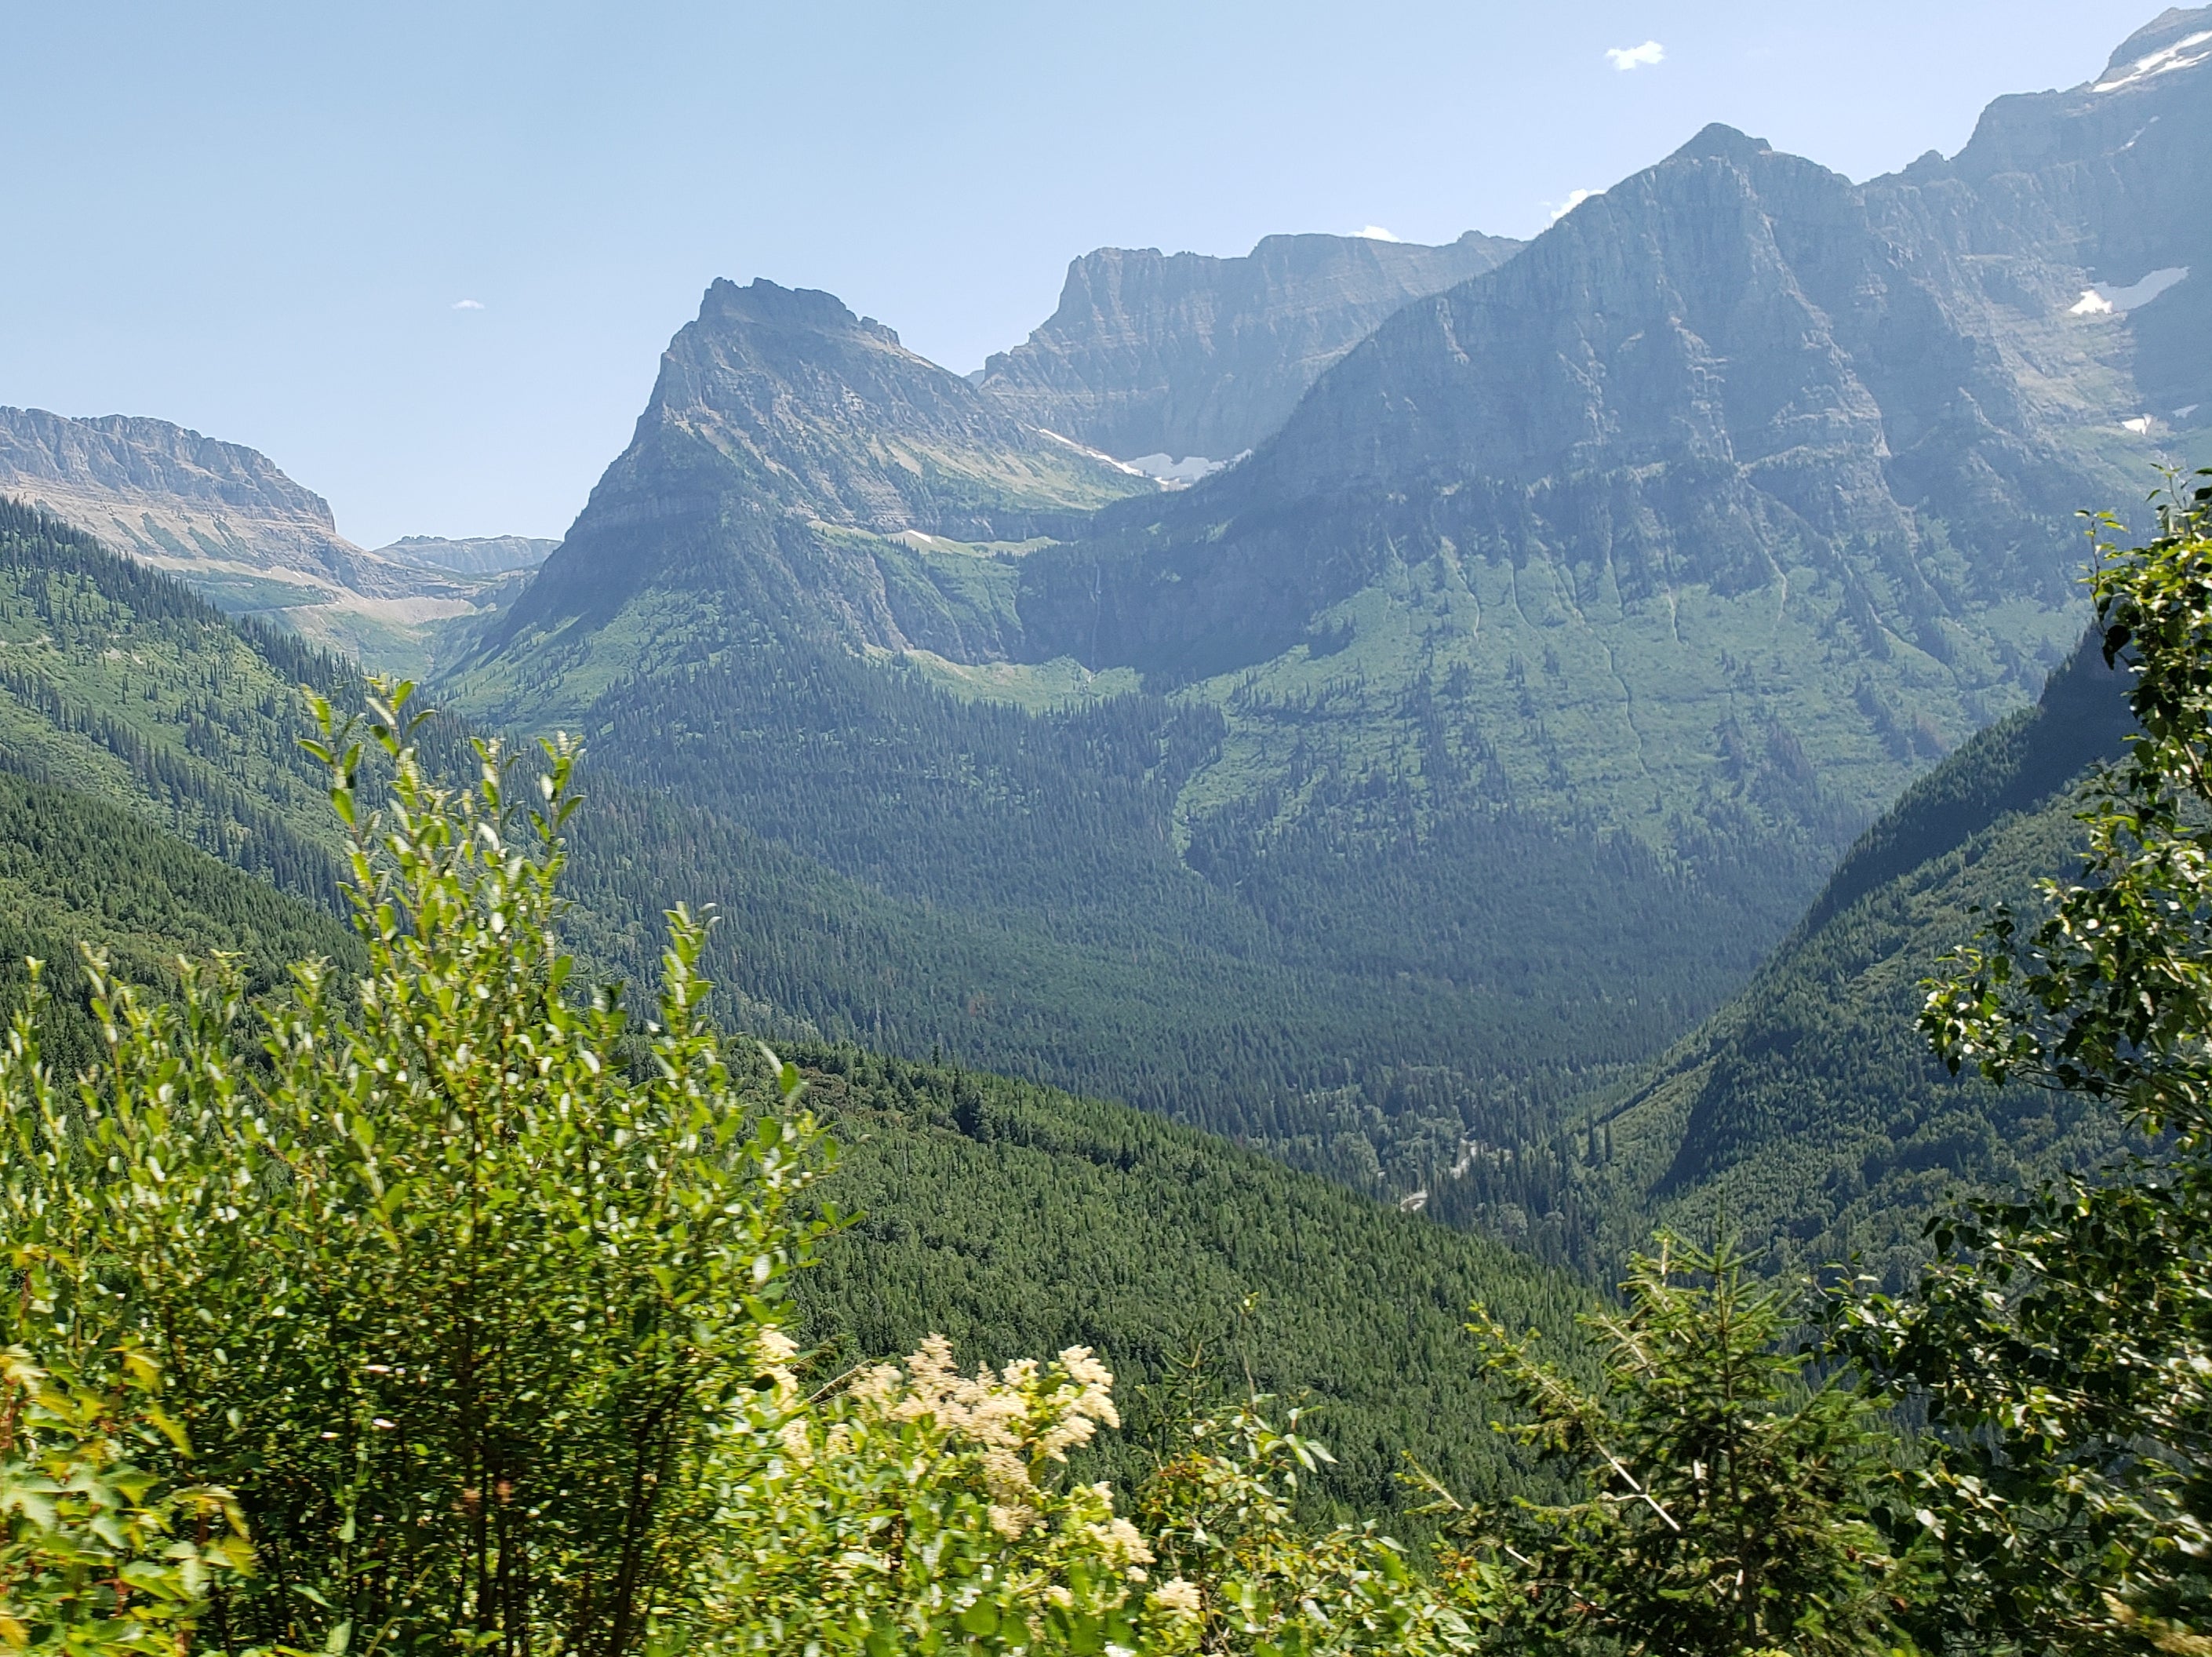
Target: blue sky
x,y
258,220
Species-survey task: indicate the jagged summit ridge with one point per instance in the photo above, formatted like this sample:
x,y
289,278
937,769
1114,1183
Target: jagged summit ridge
x,y
1718,141
797,467
828,414
1188,355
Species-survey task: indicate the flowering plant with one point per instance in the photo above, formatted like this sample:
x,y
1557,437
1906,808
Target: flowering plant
x,y
910,1508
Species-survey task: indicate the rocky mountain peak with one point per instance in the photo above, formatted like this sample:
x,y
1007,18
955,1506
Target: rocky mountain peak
x,y
827,415
2178,38
1171,355
798,455
763,303
1721,142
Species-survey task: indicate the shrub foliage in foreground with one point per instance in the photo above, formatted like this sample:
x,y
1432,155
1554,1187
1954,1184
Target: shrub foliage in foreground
x,y
2062,1343
446,1297
442,1315
458,1297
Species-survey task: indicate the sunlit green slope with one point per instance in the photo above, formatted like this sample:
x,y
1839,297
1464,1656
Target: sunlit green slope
x,y
1809,1108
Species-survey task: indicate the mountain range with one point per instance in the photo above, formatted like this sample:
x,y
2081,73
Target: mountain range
x,y
1185,358
1536,669
1421,796
223,519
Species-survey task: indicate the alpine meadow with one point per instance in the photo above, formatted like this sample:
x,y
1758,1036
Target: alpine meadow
x,y
1492,946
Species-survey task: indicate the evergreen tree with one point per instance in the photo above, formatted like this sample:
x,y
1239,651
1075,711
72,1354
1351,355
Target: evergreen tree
x,y
1727,1494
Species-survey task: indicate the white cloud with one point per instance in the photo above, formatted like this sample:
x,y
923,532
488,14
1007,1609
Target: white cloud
x,y
1375,232
1628,58
468,305
1575,198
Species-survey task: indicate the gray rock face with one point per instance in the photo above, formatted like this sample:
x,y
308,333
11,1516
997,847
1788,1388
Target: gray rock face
x,y
2112,175
1185,355
798,468
1731,362
227,520
169,494
480,555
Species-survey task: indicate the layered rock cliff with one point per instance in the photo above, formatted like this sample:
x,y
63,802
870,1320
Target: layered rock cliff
x,y
797,470
228,522
1173,356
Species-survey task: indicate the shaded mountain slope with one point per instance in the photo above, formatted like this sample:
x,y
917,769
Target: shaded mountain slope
x,y
79,870
117,681
1180,355
1810,1105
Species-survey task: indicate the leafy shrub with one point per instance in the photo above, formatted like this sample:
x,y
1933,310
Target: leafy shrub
x,y
1729,1500
92,1563
454,1290
912,1509
2061,1345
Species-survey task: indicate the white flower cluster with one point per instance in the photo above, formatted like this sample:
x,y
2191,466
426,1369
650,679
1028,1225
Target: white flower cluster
x,y
1020,1417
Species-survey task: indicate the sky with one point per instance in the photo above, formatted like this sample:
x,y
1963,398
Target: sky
x,y
426,256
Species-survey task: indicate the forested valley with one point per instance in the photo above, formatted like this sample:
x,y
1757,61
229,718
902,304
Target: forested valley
x,y
1553,1000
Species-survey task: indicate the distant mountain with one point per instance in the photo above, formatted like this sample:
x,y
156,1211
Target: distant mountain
x,y
797,469
225,520
482,555
1480,732
134,718
1157,358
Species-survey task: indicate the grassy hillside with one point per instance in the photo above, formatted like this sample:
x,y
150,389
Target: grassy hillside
x,y
1810,1105
118,682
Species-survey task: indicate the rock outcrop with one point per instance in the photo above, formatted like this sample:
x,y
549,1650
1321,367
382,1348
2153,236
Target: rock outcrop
x,y
229,523
1167,356
797,469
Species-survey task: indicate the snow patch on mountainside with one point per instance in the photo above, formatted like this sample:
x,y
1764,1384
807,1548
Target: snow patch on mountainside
x,y
2105,301
2183,53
